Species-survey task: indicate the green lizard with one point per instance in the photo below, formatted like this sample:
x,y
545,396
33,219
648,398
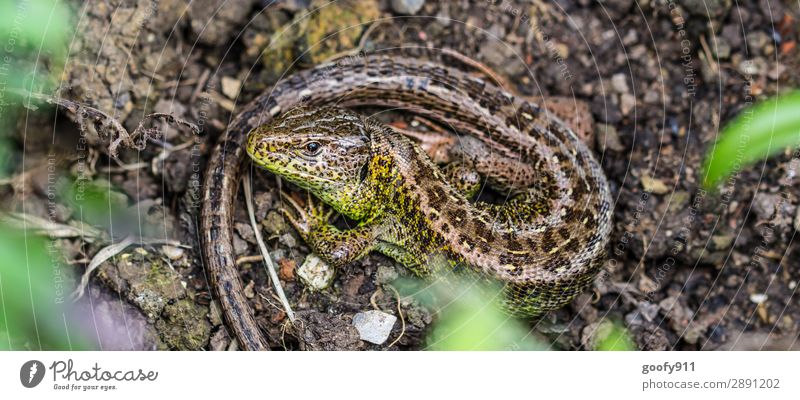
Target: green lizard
x,y
421,215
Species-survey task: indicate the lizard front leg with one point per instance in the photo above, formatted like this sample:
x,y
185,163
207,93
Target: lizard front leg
x,y
336,247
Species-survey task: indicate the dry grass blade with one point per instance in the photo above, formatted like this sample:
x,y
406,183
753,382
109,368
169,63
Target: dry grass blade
x,y
104,254
248,195
112,250
402,318
53,230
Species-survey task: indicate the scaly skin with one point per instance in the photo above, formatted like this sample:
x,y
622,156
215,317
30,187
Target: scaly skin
x,y
410,210
546,243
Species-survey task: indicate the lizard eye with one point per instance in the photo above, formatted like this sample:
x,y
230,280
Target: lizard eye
x,y
312,148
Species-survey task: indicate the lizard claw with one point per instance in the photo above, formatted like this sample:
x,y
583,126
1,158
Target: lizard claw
x,y
295,214
317,209
304,218
292,202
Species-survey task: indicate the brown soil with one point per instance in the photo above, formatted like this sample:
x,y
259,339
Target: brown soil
x,y
688,269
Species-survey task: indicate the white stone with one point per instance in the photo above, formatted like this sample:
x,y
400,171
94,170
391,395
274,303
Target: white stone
x,y
620,83
374,326
407,7
315,273
231,87
758,298
172,252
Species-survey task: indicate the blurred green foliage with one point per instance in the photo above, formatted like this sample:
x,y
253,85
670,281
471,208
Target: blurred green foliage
x,y
611,336
39,24
757,133
34,37
34,311
98,203
469,317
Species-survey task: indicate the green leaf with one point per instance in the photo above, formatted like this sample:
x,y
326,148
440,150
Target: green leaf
x,y
759,132
478,326
469,317
611,336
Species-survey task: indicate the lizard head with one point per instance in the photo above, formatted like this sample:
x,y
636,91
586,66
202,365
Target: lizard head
x,y
323,150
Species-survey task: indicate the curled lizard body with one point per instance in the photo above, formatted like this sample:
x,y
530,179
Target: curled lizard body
x,y
545,244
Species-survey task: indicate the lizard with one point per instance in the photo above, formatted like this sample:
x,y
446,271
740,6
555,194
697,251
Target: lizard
x,y
544,244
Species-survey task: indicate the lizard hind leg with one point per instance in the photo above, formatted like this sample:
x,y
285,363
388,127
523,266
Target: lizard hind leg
x,y
464,178
521,193
414,263
518,213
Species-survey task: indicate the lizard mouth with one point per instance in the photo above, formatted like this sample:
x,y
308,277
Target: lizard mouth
x,y
300,178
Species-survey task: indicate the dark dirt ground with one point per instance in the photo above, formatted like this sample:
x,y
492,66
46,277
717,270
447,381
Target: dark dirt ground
x,y
688,269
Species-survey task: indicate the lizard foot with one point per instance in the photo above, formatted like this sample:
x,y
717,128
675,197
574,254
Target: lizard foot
x,y
305,219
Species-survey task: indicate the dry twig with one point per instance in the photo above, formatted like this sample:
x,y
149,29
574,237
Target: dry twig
x,y
118,135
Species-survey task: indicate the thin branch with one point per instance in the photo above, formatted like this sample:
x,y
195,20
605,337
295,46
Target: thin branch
x,y
480,67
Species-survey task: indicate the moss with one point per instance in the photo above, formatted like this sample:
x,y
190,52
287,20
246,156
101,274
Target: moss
x,y
338,27
326,31
280,54
144,279
183,326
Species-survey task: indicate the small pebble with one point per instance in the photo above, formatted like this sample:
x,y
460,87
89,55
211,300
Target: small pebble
x,y
627,103
706,8
607,137
756,67
501,56
757,41
758,298
723,49
620,83
654,185
407,7
443,17
172,252
648,310
288,240
315,273
231,87
248,290
652,97
722,242
385,274
374,326
776,72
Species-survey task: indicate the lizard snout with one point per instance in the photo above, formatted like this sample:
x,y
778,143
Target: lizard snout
x,y
258,145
